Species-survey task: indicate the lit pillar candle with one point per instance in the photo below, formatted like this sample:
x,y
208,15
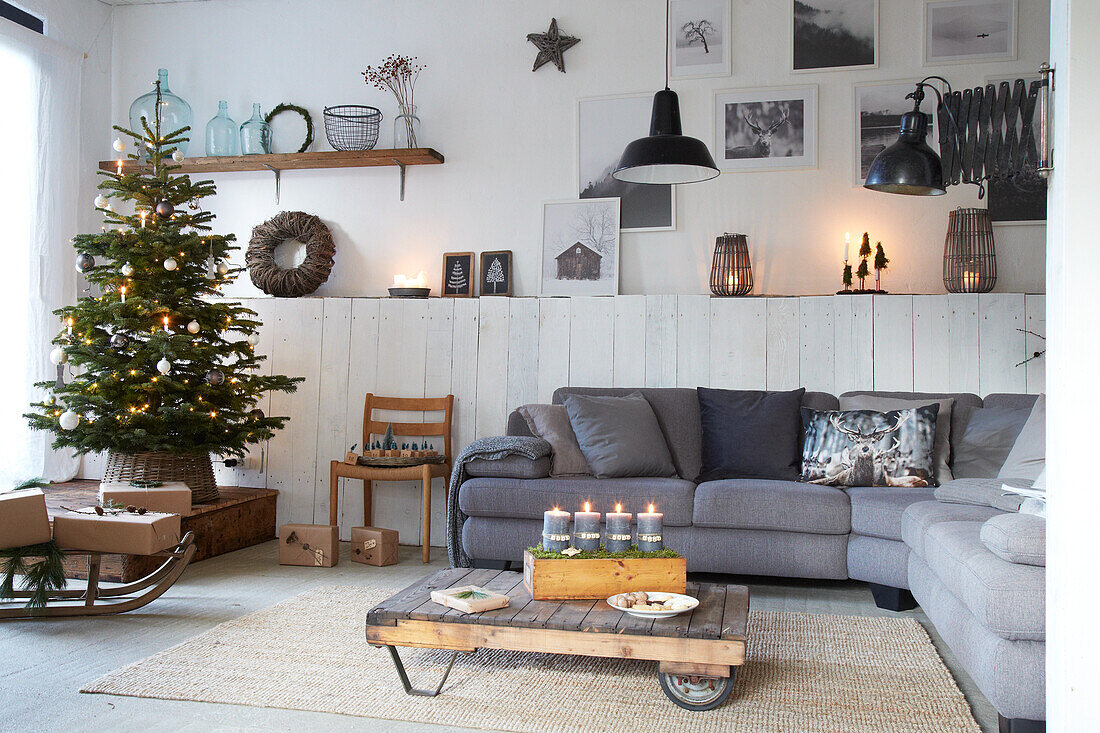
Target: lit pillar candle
x,y
617,537
847,243
650,530
586,529
555,530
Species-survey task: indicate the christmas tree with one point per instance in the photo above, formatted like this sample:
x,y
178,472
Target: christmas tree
x,y
495,275
457,279
160,364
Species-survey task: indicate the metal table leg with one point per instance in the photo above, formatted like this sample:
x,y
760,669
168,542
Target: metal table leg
x,y
409,689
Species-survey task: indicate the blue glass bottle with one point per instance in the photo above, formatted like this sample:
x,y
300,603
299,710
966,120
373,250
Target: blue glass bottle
x,y
255,134
221,133
174,111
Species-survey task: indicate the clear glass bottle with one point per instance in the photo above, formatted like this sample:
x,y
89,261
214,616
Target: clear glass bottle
x,y
255,134
406,128
174,111
221,133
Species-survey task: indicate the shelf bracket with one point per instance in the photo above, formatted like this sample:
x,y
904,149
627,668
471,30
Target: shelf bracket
x,y
278,181
401,166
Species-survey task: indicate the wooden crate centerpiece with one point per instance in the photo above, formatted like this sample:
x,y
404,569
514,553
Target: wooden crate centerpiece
x,y
565,578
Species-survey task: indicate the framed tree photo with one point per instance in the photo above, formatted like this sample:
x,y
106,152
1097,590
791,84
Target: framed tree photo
x,y
580,247
766,129
458,275
496,273
969,30
699,38
832,34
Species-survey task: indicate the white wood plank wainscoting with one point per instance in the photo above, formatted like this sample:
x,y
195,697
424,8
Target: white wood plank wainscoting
x,y
495,354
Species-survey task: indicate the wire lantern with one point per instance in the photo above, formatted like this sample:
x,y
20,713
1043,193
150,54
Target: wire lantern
x,y
969,256
730,270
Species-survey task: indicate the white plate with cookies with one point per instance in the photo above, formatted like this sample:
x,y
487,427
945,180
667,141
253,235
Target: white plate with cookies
x,y
652,604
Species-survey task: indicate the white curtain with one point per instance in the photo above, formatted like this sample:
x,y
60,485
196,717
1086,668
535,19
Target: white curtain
x,y
39,190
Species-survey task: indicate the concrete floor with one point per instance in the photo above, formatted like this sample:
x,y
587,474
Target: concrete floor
x,y
44,663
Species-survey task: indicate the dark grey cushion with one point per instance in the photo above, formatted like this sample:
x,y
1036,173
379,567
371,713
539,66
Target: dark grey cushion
x,y
982,445
983,492
510,467
1027,459
677,411
919,517
877,510
619,436
517,425
820,401
786,506
1018,538
965,403
750,434
1010,399
528,499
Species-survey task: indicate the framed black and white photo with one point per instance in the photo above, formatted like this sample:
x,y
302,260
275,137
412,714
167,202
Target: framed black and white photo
x,y
830,34
458,275
580,247
605,125
766,129
496,273
969,30
878,111
1020,201
699,38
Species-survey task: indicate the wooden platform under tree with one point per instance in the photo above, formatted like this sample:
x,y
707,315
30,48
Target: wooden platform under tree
x,y
240,518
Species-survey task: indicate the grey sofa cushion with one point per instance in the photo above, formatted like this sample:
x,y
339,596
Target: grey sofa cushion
x,y
510,467
677,411
941,452
551,423
486,538
1027,459
1006,598
982,492
1015,400
982,445
877,510
820,401
750,433
964,403
517,425
619,436
761,552
919,517
875,560
528,499
1018,538
785,506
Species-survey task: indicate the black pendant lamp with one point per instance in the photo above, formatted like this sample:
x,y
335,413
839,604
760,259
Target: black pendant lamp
x,y
666,155
910,166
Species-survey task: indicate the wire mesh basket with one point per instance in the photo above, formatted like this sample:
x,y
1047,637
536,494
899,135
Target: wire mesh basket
x,y
352,126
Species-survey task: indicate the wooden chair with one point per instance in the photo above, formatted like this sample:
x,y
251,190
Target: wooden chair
x,y
425,473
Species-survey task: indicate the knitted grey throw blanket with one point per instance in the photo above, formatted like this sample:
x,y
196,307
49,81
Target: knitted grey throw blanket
x,y
490,449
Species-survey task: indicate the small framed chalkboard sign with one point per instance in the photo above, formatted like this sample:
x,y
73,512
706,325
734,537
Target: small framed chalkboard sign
x,y
458,275
496,273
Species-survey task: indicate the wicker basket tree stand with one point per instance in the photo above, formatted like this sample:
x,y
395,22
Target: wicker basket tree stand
x,y
193,469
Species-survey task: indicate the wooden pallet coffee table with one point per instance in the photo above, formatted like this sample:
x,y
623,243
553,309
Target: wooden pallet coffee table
x,y
696,651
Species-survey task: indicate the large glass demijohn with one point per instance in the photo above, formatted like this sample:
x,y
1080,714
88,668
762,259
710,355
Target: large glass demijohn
x,y
174,111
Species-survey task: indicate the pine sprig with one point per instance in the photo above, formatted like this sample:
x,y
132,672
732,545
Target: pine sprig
x,y
41,578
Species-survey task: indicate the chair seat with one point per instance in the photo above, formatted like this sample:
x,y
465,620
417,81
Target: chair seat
x,y
400,473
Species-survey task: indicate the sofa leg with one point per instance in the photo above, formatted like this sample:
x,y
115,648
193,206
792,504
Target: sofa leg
x,y
892,599
1020,725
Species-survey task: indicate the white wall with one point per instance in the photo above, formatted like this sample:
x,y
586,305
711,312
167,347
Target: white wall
x,y
509,135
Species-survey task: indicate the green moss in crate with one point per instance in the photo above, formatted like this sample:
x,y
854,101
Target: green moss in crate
x,y
601,554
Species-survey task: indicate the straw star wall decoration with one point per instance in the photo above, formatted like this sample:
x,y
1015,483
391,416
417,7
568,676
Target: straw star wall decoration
x,y
552,46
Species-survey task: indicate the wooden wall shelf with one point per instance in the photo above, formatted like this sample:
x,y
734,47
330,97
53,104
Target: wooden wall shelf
x,y
279,162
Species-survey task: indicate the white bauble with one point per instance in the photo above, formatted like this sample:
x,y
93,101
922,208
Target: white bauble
x,y
223,267
58,355
170,264
177,156
68,420
164,366
193,326
102,202
118,144
127,270
254,338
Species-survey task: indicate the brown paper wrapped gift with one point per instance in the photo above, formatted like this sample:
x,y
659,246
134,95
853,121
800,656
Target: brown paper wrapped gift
x,y
171,497
374,545
126,533
23,518
317,545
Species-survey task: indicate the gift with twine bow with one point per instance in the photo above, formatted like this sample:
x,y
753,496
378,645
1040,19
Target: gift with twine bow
x,y
311,545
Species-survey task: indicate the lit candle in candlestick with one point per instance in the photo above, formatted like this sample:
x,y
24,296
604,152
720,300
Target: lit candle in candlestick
x,y
143,213
617,536
69,325
122,293
847,243
555,530
166,324
586,529
120,166
650,530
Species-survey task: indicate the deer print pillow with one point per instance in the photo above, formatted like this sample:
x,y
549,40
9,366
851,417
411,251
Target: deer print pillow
x,y
868,448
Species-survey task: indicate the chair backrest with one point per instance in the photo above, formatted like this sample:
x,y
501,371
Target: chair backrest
x,y
409,429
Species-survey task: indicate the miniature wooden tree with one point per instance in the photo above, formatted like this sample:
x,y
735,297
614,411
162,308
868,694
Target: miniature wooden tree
x,y
881,262
847,276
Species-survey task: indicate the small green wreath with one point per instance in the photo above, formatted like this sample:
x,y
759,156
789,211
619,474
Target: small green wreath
x,y
284,107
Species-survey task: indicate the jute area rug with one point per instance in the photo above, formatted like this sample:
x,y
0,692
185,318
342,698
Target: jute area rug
x,y
805,672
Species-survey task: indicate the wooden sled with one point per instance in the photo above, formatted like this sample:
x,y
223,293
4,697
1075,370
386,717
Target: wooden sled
x,y
94,601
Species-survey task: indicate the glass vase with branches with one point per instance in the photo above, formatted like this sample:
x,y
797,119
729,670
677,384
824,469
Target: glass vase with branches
x,y
397,74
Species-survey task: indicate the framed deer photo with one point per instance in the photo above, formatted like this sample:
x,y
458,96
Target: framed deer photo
x,y
766,129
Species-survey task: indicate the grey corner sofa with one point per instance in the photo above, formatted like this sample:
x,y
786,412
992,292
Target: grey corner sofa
x,y
907,546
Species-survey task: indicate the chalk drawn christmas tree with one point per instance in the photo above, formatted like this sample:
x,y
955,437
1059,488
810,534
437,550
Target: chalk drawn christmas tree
x,y
457,279
495,275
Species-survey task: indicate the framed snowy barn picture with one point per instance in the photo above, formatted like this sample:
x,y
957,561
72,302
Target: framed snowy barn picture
x,y
458,275
496,273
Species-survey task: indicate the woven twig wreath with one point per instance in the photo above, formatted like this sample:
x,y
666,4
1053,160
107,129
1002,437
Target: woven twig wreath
x,y
306,277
